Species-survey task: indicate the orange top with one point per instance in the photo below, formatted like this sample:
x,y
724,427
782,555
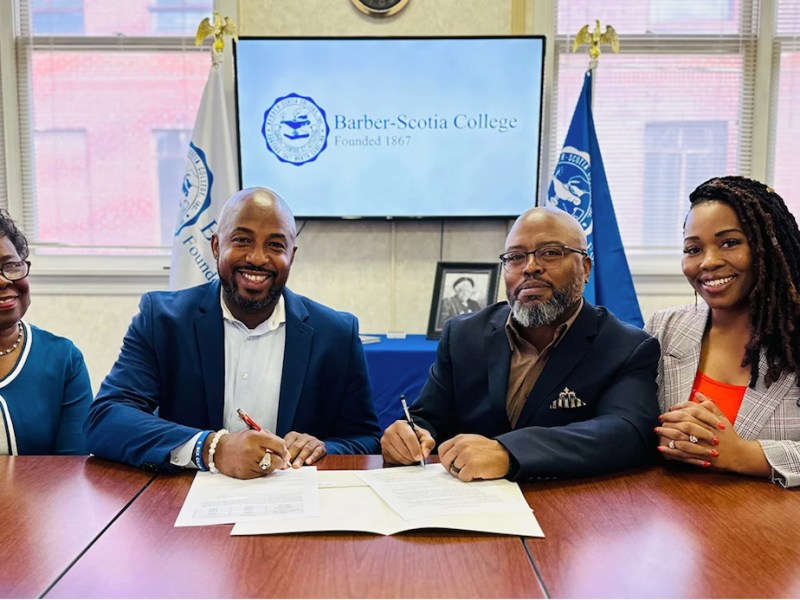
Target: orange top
x,y
727,397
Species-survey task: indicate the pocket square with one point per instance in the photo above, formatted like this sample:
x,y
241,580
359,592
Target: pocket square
x,y
567,399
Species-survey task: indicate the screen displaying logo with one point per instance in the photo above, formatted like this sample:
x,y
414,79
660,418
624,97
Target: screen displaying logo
x,y
295,129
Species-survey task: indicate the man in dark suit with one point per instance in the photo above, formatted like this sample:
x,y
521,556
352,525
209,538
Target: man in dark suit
x,y
195,356
545,385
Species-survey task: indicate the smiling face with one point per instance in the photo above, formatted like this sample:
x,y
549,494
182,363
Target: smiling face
x,y
717,260
546,294
15,296
254,248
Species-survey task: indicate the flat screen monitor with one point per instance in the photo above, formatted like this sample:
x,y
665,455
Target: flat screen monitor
x,y
392,127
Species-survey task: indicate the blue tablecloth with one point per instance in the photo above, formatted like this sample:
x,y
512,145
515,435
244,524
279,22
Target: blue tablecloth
x,y
398,367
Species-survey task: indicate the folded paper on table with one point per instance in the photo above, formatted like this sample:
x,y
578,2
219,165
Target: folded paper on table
x,y
348,504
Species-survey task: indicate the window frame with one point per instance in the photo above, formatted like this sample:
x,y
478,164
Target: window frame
x,y
81,272
757,115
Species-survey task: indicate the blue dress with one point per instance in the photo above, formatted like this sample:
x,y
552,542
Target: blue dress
x,y
45,398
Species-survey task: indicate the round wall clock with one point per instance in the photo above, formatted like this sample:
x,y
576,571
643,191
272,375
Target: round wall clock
x,y
380,8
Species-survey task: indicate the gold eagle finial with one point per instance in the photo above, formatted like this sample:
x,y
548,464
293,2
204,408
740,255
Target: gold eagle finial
x,y
595,38
220,28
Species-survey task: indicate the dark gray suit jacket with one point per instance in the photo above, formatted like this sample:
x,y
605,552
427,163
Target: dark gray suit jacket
x,y
609,365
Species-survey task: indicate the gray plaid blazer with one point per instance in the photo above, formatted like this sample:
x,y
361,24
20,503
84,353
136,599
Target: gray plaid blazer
x,y
769,415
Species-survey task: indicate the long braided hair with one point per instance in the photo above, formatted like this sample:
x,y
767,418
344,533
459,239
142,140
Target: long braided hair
x,y
774,241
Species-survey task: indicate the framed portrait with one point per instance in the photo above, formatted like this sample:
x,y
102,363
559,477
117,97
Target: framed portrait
x,y
461,288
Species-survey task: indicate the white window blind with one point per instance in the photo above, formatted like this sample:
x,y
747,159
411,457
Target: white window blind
x,y
786,99
97,80
3,176
672,109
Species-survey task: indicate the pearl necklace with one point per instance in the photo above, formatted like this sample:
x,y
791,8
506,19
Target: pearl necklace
x,y
16,344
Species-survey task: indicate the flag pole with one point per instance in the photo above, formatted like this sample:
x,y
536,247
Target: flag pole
x,y
580,188
593,40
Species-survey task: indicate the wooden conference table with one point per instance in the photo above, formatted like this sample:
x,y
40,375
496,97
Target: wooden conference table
x,y
76,527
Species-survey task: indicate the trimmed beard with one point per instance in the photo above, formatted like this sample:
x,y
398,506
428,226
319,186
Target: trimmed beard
x,y
544,313
234,298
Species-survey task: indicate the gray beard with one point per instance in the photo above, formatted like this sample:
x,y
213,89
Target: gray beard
x,y
543,313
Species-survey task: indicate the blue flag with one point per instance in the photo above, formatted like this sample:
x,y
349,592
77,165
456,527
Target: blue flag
x,y
579,187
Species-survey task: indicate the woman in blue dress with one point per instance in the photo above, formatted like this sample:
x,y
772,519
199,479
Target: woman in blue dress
x,y
44,385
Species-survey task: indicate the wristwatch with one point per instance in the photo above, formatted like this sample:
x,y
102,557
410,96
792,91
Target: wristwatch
x,y
380,8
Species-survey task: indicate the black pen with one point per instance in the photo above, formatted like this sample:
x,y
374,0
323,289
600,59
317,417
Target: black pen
x,y
413,428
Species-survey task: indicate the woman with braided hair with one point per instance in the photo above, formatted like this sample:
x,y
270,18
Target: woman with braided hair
x,y
728,375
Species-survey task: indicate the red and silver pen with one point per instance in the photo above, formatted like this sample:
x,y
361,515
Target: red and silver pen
x,y
248,420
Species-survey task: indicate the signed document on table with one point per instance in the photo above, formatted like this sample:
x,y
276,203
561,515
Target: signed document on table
x,y
388,501
214,499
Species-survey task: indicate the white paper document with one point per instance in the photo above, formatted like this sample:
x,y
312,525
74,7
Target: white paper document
x,y
283,495
414,492
347,503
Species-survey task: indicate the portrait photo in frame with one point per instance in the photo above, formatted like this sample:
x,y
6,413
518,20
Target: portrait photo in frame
x,y
461,288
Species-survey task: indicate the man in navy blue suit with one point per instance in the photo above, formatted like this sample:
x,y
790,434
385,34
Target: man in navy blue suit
x,y
191,358
544,385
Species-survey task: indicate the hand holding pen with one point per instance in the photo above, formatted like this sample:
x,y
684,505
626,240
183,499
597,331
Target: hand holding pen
x,y
414,429
404,442
270,447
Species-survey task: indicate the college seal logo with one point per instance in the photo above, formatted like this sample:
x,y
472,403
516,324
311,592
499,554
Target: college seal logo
x,y
196,187
571,187
295,129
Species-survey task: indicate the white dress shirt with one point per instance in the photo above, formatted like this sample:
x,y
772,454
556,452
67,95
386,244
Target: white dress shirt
x,y
253,372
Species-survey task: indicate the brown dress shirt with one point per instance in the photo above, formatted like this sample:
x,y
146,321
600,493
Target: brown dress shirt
x,y
527,363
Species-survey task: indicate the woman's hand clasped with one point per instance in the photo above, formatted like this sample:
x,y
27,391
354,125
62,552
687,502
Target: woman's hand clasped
x,y
693,433
699,434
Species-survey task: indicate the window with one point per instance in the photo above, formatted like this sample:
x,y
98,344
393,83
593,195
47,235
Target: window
x,y
674,108
62,161
786,91
701,87
170,158
669,15
678,157
179,17
97,97
57,17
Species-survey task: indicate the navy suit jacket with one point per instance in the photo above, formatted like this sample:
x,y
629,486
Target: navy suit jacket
x,y
173,361
611,367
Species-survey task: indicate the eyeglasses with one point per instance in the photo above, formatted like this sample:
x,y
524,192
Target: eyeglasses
x,y
16,270
550,256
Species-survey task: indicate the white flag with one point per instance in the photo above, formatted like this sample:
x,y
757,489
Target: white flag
x,y
210,178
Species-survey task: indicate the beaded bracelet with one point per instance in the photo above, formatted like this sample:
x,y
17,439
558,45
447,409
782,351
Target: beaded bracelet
x,y
198,451
211,466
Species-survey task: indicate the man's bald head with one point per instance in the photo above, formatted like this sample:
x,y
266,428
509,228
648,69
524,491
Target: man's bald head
x,y
563,225
544,291
264,200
